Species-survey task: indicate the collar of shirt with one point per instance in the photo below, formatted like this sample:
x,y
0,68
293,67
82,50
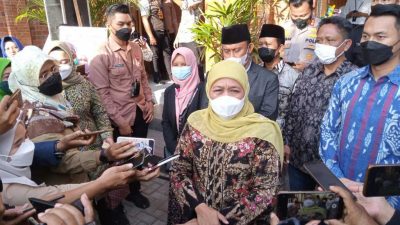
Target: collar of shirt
x,y
317,68
393,76
279,67
115,46
247,69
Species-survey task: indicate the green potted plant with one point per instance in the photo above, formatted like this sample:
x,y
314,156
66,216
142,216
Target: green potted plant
x,y
208,32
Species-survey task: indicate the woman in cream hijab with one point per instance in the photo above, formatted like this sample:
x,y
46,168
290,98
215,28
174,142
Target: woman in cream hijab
x,y
229,165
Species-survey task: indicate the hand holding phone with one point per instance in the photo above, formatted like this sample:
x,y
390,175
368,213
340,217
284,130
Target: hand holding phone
x,y
140,143
16,96
77,139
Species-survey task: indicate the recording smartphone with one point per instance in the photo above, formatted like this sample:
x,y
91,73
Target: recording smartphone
x,y
99,131
308,205
382,180
323,176
135,35
42,205
165,161
146,143
16,96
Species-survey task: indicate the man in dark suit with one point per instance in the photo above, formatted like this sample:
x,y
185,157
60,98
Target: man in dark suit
x,y
264,84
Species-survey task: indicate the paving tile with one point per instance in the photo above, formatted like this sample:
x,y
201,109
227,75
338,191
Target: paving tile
x,y
160,214
139,222
148,189
146,218
160,196
158,222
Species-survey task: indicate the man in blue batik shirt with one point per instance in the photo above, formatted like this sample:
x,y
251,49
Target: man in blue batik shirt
x,y
362,123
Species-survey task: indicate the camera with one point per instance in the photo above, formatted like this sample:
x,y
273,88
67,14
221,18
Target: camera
x,y
134,35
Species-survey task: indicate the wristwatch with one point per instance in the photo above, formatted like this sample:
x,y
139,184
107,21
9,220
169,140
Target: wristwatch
x,y
58,154
103,157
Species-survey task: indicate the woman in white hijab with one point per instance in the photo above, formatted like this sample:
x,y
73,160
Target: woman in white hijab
x,y
37,75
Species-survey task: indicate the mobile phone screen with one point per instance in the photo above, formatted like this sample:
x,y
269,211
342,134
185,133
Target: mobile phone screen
x,y
311,205
382,180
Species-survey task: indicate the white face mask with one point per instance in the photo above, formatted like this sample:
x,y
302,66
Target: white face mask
x,y
242,60
226,106
24,155
326,53
65,70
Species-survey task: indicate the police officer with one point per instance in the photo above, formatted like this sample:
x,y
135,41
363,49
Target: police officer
x,y
300,33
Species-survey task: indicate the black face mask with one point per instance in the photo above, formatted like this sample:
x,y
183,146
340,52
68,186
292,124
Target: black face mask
x,y
375,53
266,54
5,88
51,86
123,34
301,23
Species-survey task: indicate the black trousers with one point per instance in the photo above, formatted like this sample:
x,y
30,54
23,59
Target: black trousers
x,y
140,129
161,51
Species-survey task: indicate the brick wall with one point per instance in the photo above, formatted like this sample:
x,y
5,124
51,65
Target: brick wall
x,y
39,33
27,32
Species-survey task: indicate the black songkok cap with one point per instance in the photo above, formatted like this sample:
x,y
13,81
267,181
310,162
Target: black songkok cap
x,y
235,34
272,30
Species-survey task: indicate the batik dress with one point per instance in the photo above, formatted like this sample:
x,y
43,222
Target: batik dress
x,y
238,179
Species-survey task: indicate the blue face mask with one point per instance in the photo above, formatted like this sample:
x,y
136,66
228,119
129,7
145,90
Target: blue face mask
x,y
181,72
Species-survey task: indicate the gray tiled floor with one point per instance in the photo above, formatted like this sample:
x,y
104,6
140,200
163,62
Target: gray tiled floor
x,y
157,193
155,190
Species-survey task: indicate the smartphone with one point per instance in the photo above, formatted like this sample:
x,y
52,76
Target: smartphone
x,y
323,176
291,63
308,205
382,180
42,205
135,35
16,96
165,161
99,131
146,143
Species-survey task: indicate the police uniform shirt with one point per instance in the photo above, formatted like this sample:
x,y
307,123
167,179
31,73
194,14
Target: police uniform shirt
x,y
300,44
